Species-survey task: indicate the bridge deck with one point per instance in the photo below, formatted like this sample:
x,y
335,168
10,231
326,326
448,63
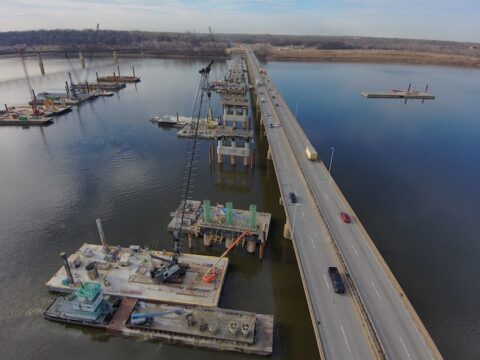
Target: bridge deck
x,y
321,239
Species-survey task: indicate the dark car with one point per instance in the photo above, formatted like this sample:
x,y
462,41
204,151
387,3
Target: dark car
x,y
337,281
345,218
293,197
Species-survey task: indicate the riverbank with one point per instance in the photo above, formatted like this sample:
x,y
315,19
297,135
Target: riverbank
x,y
367,56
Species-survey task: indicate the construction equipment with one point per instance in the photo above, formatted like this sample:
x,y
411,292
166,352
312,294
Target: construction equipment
x,y
173,270
209,276
36,111
146,317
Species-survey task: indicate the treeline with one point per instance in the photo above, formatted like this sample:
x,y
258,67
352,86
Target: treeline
x,y
90,40
361,43
191,43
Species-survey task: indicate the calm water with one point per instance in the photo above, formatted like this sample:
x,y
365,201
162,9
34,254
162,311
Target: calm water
x,y
409,171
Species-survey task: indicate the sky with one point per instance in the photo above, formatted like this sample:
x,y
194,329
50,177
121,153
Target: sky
x,y
457,20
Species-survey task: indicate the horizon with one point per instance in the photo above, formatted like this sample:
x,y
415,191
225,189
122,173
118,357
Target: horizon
x,y
430,20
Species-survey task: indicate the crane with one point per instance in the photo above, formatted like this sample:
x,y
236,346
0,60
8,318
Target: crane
x,y
209,276
31,94
87,71
173,270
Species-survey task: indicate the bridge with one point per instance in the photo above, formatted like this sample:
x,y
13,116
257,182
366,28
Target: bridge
x,y
374,319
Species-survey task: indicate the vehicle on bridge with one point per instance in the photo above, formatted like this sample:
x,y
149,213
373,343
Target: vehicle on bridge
x,y
293,198
337,281
311,154
345,218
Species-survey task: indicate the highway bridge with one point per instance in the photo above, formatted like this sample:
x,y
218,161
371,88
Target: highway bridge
x,y
374,319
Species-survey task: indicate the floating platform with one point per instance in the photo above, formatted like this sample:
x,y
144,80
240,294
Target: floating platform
x,y
29,121
398,95
125,272
118,79
106,86
177,121
210,328
18,116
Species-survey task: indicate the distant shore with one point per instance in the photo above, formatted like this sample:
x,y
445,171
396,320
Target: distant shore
x,y
369,56
306,54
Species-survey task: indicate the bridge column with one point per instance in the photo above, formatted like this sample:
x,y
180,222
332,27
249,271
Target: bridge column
x,y
261,251
233,158
287,233
219,152
269,154
280,201
207,241
190,238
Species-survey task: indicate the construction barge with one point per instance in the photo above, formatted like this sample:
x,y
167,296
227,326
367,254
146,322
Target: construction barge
x,y
398,95
24,116
203,327
118,79
112,288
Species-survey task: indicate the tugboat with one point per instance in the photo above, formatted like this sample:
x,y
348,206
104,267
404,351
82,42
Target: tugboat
x,y
86,306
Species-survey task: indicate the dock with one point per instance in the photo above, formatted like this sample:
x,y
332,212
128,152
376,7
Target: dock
x,y
398,95
222,224
125,272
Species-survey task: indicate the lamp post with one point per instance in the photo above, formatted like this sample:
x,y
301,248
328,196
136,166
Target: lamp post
x,y
332,150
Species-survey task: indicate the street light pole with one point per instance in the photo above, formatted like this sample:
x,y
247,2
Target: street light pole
x,y
332,150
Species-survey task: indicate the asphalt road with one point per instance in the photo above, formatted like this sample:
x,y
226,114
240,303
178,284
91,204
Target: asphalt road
x,y
384,302
334,317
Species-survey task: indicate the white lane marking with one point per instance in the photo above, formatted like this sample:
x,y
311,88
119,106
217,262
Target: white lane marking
x,y
326,281
311,239
376,290
354,248
405,348
345,337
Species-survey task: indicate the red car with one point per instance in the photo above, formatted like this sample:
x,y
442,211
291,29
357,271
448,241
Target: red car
x,y
345,218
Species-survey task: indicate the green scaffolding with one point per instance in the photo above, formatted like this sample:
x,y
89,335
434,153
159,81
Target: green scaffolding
x,y
207,212
229,213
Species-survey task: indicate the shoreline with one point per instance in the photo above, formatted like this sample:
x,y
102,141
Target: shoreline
x,y
374,56
311,55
